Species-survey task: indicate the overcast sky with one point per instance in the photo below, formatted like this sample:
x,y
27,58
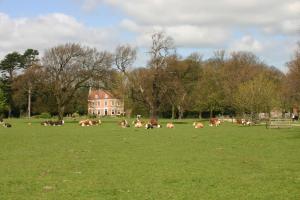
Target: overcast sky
x,y
268,28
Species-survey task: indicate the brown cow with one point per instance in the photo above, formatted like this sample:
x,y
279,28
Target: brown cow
x,y
214,122
170,125
198,125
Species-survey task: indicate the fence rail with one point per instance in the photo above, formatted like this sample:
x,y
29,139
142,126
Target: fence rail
x,y
279,123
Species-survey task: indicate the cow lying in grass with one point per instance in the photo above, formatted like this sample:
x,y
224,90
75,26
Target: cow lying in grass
x,y
214,122
138,124
88,122
153,123
244,122
198,125
53,123
6,125
124,123
170,125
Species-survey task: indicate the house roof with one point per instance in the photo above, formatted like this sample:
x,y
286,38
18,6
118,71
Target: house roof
x,y
100,94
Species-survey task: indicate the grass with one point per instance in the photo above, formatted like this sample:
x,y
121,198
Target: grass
x,y
108,162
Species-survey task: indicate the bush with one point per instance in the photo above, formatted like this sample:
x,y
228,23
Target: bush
x,y
75,115
44,115
92,116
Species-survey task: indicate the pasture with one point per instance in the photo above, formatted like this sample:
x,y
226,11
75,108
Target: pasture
x,y
110,162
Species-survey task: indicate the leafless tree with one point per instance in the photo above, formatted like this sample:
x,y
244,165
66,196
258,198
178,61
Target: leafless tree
x,y
68,67
125,55
161,49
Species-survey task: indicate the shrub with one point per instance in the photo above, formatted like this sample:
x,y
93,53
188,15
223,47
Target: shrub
x,y
45,115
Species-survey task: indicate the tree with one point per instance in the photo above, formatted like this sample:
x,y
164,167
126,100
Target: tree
x,y
11,63
25,85
161,48
8,67
293,77
30,59
68,67
209,90
3,104
125,56
180,79
257,95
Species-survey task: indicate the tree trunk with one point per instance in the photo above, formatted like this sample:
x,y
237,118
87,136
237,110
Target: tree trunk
x,y
29,103
180,112
210,113
173,112
60,109
200,115
9,112
61,112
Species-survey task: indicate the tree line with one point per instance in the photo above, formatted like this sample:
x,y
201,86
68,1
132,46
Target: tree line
x,y
169,85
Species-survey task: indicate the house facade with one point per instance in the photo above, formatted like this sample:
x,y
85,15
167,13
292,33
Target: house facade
x,y
103,103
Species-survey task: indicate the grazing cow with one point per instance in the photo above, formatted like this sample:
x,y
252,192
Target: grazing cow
x,y
7,125
170,125
198,125
214,122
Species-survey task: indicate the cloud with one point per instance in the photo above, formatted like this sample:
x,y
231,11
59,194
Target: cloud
x,y
220,13
201,23
45,31
247,43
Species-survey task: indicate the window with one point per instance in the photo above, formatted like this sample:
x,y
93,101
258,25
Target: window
x,y
105,103
98,112
119,112
98,103
112,102
113,112
118,103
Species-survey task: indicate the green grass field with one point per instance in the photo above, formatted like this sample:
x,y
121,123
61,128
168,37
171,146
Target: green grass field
x,y
108,162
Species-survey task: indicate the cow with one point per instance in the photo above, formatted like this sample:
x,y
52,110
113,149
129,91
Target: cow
x,y
58,123
170,125
244,122
138,124
124,123
214,122
198,125
148,126
6,125
154,123
88,122
53,123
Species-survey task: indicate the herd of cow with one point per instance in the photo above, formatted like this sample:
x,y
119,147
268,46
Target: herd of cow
x,y
137,123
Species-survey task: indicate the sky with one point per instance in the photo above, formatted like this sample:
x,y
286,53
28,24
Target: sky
x,y
270,28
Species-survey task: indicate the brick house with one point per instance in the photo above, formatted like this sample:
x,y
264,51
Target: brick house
x,y
103,103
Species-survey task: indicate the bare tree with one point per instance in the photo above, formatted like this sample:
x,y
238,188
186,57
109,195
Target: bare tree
x,y
68,67
160,50
125,55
